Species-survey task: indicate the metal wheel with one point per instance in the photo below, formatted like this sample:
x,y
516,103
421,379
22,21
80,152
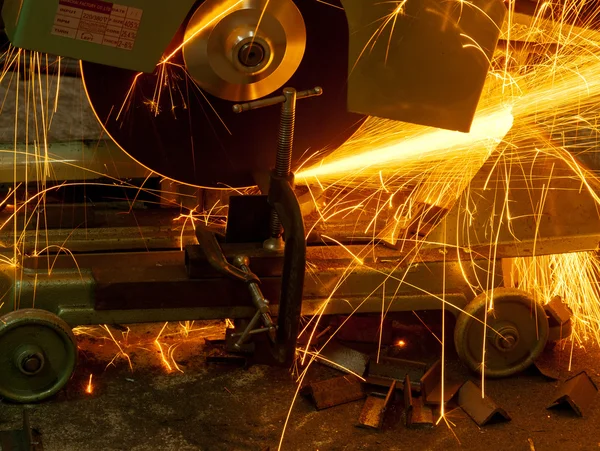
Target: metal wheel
x,y
516,335
38,354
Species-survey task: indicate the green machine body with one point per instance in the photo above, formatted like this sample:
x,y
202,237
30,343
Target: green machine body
x,y
130,34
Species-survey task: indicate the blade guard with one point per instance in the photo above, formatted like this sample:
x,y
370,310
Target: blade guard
x,y
421,61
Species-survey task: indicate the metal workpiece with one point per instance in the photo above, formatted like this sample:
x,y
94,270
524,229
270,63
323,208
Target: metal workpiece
x,y
481,410
549,366
87,315
577,392
401,284
431,386
68,161
417,414
336,391
388,369
105,230
376,405
559,319
265,263
343,358
551,230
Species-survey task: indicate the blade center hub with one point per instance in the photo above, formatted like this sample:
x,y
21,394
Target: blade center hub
x,y
251,54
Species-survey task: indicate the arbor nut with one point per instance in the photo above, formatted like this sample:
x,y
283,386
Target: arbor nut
x,y
30,363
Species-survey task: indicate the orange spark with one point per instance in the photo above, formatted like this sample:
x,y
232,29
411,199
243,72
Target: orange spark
x,y
89,389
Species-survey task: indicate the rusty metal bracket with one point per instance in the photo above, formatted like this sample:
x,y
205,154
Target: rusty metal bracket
x,y
577,392
373,411
336,391
418,415
559,319
550,365
389,368
481,410
431,386
343,358
558,312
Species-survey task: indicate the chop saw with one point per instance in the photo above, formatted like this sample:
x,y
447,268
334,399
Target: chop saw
x,y
230,94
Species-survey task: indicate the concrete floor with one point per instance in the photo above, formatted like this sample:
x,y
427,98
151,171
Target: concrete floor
x,y
217,407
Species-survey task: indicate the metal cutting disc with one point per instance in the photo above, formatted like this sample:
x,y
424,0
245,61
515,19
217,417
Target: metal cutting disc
x,y
178,121
230,60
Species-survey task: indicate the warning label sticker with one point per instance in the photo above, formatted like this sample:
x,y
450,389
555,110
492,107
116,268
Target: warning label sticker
x,y
97,21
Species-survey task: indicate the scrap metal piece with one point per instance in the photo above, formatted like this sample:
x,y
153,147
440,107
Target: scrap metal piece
x,y
431,386
557,333
373,411
336,391
343,358
418,415
578,392
558,312
559,319
481,410
389,368
547,369
26,439
548,365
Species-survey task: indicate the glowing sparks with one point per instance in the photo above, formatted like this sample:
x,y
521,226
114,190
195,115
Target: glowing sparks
x,y
572,276
399,174
89,388
487,131
220,10
540,99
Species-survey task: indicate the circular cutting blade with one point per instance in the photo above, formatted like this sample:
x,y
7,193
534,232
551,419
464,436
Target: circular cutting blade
x,y
178,121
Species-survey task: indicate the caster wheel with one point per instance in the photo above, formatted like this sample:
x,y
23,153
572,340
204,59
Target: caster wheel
x,y
38,354
516,335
